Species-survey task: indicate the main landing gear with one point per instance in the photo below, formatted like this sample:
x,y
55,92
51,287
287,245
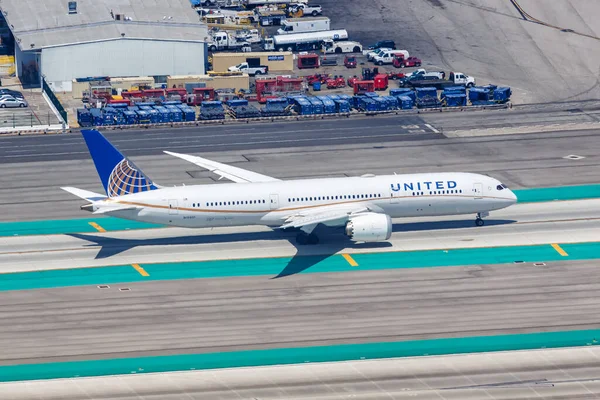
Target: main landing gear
x,y
304,238
480,216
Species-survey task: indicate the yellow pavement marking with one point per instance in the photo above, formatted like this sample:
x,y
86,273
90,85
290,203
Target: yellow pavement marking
x,y
98,227
350,260
139,269
559,250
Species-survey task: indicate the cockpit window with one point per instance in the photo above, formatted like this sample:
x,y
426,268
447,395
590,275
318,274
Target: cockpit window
x,y
500,187
504,186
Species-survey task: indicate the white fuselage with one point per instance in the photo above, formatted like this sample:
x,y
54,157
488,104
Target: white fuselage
x,y
270,203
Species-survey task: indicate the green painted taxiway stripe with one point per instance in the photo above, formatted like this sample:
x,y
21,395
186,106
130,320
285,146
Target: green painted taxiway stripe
x,y
285,266
300,355
108,224
558,193
64,226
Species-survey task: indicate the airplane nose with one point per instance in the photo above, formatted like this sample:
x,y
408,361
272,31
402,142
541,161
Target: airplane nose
x,y
512,197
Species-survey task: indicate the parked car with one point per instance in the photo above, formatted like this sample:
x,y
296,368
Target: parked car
x,y
401,62
383,43
7,101
350,62
13,93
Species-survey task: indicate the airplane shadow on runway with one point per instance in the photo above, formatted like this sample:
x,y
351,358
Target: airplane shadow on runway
x,y
306,256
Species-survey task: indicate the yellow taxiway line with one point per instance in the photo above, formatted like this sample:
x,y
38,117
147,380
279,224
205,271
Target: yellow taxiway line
x,y
559,250
98,227
350,260
139,269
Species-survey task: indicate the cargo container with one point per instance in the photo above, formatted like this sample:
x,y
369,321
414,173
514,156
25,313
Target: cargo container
x,y
308,61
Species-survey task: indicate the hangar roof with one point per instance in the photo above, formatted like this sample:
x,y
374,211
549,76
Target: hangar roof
x,y
37,24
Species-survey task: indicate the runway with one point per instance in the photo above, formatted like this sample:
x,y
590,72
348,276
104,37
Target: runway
x,y
521,224
377,300
570,373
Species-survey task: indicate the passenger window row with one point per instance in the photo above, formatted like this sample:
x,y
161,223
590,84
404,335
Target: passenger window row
x,y
339,197
436,192
229,203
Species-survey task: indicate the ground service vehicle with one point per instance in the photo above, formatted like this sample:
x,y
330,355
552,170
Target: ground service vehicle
x,y
373,53
225,41
259,3
250,70
389,44
455,79
387,56
401,62
329,46
300,25
306,9
350,62
303,41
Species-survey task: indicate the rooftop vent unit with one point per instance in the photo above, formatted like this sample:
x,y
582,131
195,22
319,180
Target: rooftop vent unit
x,y
72,7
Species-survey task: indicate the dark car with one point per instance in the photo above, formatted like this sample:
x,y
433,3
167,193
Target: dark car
x,y
383,43
13,93
350,62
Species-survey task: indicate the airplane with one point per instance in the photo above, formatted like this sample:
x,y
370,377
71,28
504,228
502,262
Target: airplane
x,y
363,206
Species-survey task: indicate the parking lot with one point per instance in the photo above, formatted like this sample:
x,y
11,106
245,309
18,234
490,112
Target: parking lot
x,y
38,113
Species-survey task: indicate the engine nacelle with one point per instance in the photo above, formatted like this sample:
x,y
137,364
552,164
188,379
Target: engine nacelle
x,y
369,227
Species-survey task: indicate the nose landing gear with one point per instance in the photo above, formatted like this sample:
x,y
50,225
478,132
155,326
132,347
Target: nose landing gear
x,y
480,216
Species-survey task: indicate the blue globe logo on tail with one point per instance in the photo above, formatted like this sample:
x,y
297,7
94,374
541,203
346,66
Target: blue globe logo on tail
x,y
126,178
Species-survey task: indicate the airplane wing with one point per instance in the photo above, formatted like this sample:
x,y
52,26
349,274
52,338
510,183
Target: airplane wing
x,y
84,194
234,174
335,215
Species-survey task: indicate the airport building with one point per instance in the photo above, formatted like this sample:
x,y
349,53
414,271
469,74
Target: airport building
x,y
60,40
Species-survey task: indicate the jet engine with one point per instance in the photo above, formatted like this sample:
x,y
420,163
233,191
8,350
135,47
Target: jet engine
x,y
369,227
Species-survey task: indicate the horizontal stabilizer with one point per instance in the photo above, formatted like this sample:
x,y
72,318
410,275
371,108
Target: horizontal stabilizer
x,y
84,194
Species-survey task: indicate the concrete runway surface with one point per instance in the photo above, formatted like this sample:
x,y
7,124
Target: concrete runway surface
x,y
247,313
570,373
521,224
30,190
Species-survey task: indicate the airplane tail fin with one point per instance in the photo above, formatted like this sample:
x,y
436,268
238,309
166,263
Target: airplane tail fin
x,y
119,175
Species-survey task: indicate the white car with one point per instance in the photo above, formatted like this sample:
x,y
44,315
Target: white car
x,y
372,53
11,102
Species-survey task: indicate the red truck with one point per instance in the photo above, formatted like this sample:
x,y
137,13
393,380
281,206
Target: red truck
x,y
401,62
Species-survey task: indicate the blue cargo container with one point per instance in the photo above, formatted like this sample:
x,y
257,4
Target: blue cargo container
x,y
392,102
96,116
171,103
189,114
176,113
237,102
371,94
328,104
146,104
303,106
406,102
426,92
454,90
342,106
402,92
502,94
131,117
316,86
84,117
164,114
456,100
143,116
119,106
334,97
382,105
368,104
155,116
317,105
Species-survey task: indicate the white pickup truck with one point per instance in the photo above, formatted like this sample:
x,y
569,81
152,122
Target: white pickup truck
x,y
387,56
245,67
307,9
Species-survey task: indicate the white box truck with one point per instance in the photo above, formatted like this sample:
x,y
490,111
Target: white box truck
x,y
301,25
303,41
